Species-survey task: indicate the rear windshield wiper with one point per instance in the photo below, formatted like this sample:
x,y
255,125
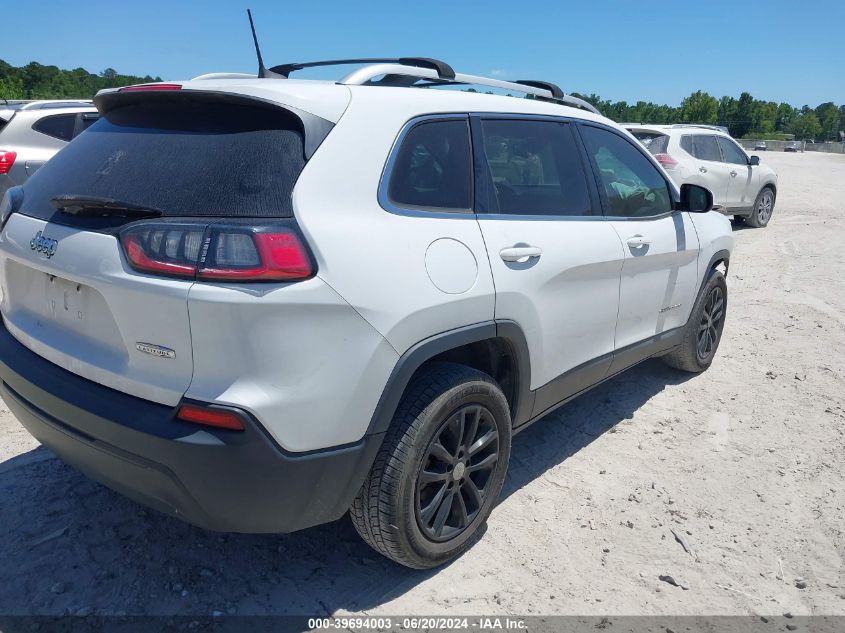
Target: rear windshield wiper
x,y
96,206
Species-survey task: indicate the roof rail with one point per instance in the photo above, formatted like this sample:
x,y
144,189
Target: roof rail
x,y
557,93
444,70
391,74
223,76
719,128
57,103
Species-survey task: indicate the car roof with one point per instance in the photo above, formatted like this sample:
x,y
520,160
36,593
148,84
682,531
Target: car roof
x,y
329,99
675,128
11,108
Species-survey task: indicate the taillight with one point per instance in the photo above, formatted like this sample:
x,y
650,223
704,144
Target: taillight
x,y
7,159
208,416
141,87
218,252
666,160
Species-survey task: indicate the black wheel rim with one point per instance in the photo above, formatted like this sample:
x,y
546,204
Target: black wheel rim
x,y
456,473
709,327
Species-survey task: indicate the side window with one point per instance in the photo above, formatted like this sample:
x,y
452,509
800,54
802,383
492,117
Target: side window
x,y
732,153
706,148
84,121
433,167
633,186
686,144
536,167
59,126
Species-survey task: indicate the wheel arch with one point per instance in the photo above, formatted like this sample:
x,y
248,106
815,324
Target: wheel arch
x,y
719,258
497,348
771,185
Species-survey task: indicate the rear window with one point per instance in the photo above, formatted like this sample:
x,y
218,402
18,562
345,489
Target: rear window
x,y
184,159
59,126
705,147
433,167
536,168
654,142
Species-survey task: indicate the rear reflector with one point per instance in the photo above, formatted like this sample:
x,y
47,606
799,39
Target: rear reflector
x,y
217,418
666,160
217,252
142,87
7,159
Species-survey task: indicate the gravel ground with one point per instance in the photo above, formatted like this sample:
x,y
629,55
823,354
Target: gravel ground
x,y
730,482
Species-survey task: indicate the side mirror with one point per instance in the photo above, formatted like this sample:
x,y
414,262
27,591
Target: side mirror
x,y
695,199
755,160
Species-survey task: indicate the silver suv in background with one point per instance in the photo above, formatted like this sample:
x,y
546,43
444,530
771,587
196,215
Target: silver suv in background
x,y
31,132
707,156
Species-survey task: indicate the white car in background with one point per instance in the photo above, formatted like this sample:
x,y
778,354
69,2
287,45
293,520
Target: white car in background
x,y
709,157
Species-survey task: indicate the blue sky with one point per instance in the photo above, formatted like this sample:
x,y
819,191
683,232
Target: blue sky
x,y
658,51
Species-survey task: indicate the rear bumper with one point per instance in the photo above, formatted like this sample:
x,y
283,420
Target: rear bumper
x,y
219,480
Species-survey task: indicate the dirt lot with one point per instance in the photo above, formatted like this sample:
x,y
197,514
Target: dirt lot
x,y
744,464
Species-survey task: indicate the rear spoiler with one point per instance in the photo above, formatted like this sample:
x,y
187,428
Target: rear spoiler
x,y
315,129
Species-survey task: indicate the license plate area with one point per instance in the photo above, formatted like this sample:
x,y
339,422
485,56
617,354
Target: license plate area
x,y
66,302
59,312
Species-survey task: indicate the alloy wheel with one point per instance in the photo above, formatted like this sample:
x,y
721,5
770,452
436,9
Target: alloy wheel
x,y
764,208
456,472
708,328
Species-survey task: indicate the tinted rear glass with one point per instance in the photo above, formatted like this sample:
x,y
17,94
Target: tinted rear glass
x,y
536,168
186,159
59,126
434,167
706,148
654,142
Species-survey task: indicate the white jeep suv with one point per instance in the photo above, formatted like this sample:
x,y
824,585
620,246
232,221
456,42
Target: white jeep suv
x,y
257,303
707,156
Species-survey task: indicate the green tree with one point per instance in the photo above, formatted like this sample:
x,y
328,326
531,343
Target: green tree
x,y
806,126
727,113
700,107
744,120
11,88
785,116
828,115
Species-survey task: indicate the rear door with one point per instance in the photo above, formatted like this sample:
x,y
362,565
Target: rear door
x,y
68,292
713,172
660,273
741,185
555,261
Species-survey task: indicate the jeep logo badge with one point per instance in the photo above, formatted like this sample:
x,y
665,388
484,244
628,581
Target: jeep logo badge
x,y
155,350
42,244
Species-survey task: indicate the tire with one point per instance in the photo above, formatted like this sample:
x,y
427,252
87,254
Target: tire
x,y
764,206
397,512
694,354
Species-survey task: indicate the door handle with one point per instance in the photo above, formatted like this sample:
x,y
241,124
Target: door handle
x,y
703,170
733,174
520,253
637,241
